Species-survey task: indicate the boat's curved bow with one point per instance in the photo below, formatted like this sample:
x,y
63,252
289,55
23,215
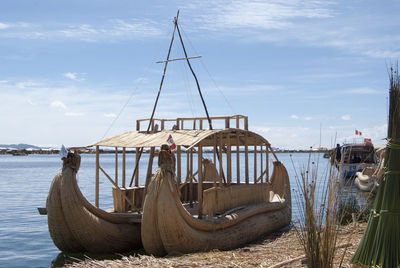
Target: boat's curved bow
x,y
75,225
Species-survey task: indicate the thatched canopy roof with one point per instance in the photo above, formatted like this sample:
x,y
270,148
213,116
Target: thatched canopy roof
x,y
187,138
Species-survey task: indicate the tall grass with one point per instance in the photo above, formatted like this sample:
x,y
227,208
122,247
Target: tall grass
x,y
317,229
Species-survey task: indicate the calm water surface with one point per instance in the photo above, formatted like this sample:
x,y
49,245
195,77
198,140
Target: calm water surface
x,y
25,182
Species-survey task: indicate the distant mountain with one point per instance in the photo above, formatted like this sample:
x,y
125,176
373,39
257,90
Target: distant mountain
x,y
19,146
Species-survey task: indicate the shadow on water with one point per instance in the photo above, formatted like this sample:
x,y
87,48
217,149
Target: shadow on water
x,y
64,258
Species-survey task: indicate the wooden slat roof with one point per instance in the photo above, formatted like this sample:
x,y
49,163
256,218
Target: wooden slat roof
x,y
134,139
186,137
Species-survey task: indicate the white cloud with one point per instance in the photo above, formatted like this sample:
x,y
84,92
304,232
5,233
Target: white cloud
x,y
32,103
73,114
58,104
26,84
293,116
308,118
73,76
346,117
256,14
109,30
3,81
110,115
4,25
363,91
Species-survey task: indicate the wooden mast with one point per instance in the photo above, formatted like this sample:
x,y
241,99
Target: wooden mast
x,y
158,94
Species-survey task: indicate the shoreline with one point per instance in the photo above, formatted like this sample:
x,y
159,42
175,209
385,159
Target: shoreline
x,y
268,251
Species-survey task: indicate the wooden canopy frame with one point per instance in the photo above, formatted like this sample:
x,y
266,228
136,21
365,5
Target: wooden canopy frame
x,y
227,141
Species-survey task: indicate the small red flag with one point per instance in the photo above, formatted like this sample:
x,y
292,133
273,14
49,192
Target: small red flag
x,y
171,142
356,132
360,133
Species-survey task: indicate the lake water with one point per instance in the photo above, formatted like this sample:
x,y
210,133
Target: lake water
x,y
25,182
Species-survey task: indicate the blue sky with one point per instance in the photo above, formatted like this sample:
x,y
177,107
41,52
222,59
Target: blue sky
x,y
67,68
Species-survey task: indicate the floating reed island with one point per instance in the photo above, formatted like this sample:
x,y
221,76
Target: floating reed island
x,y
276,250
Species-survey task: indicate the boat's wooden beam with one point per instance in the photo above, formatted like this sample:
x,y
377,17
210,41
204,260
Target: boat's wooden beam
x,y
267,163
221,170
191,178
137,169
237,155
228,160
116,165
255,161
261,164
261,176
200,184
272,151
97,176
149,167
178,164
116,186
246,158
188,58
123,166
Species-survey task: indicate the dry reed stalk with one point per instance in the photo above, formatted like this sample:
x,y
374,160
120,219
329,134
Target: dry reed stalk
x,y
317,230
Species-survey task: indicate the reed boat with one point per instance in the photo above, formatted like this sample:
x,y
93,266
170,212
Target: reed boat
x,y
354,157
205,207
75,225
369,178
224,214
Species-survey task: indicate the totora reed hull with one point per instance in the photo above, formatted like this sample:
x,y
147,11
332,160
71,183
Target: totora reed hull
x,y
168,228
75,225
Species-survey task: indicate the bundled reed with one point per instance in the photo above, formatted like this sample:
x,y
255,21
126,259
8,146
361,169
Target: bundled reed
x,y
380,244
317,230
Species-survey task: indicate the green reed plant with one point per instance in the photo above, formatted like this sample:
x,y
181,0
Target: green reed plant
x,y
380,244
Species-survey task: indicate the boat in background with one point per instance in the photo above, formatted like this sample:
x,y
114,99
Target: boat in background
x,y
354,157
369,178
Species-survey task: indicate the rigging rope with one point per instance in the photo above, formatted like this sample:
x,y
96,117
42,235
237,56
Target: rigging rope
x,y
209,74
127,102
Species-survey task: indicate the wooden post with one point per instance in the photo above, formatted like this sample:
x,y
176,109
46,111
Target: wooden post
x,y
194,124
261,164
191,178
116,165
221,171
255,159
237,156
246,157
215,150
178,164
237,122
149,167
137,125
123,167
187,174
162,124
97,176
227,121
200,181
228,158
266,163
246,123
201,123
137,170
177,123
